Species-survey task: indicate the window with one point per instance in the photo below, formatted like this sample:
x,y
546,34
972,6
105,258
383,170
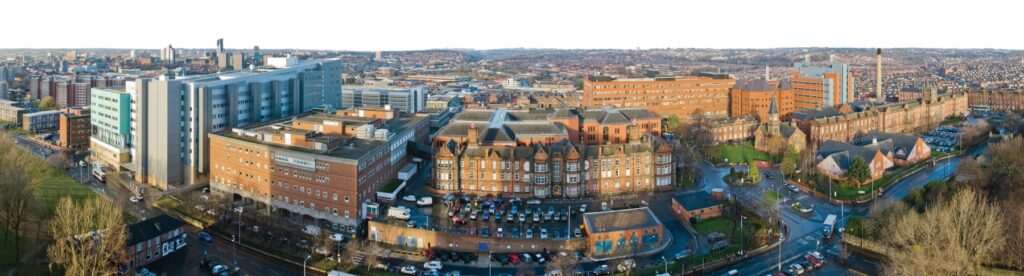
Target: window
x,y
335,196
335,211
346,199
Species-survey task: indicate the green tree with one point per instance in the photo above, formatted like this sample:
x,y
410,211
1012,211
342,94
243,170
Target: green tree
x,y
790,161
672,122
47,103
858,171
754,176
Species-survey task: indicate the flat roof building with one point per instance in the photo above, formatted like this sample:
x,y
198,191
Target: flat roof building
x,y
682,96
110,141
74,128
822,86
40,121
324,165
623,232
410,100
173,115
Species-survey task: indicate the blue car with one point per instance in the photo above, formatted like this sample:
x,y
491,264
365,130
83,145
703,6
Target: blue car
x,y
205,237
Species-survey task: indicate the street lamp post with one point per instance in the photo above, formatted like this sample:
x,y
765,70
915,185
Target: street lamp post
x,y
304,265
238,238
779,209
666,263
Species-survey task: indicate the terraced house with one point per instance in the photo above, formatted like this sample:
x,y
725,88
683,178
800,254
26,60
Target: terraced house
x,y
541,158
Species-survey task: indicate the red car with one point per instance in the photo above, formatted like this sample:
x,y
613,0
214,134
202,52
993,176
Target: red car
x,y
513,259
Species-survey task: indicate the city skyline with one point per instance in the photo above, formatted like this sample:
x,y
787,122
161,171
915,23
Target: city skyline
x,y
369,26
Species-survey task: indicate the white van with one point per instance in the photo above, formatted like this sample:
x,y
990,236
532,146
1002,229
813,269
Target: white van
x,y
425,201
399,212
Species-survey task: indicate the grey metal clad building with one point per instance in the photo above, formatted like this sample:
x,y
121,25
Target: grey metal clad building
x,y
172,116
409,100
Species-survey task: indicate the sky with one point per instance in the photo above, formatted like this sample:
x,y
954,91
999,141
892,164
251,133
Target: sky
x,y
491,24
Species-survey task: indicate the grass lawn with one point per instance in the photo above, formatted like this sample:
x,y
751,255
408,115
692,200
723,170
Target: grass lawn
x,y
391,186
686,183
740,153
54,184
772,196
719,224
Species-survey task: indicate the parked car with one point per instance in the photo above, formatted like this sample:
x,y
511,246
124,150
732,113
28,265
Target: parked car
x,y
432,265
682,254
409,198
203,236
381,266
797,268
425,201
529,233
543,233
807,265
408,270
793,188
540,258
533,202
526,257
583,208
219,269
603,270
499,233
626,265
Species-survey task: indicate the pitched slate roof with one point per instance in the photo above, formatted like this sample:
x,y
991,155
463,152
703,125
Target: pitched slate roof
x,y
899,144
844,153
811,114
144,230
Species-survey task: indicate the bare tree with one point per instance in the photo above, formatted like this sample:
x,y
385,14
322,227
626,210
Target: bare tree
x,y
16,192
1013,251
951,239
88,238
58,160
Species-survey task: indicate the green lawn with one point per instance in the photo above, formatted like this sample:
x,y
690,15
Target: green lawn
x,y
772,196
54,184
740,153
391,186
719,224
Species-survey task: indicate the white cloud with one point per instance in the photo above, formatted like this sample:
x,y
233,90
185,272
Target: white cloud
x,y
405,25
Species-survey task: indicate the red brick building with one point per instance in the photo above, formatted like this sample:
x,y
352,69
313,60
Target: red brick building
x,y
320,165
154,238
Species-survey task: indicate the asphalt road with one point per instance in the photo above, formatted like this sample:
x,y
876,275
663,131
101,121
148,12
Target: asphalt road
x,y
804,229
